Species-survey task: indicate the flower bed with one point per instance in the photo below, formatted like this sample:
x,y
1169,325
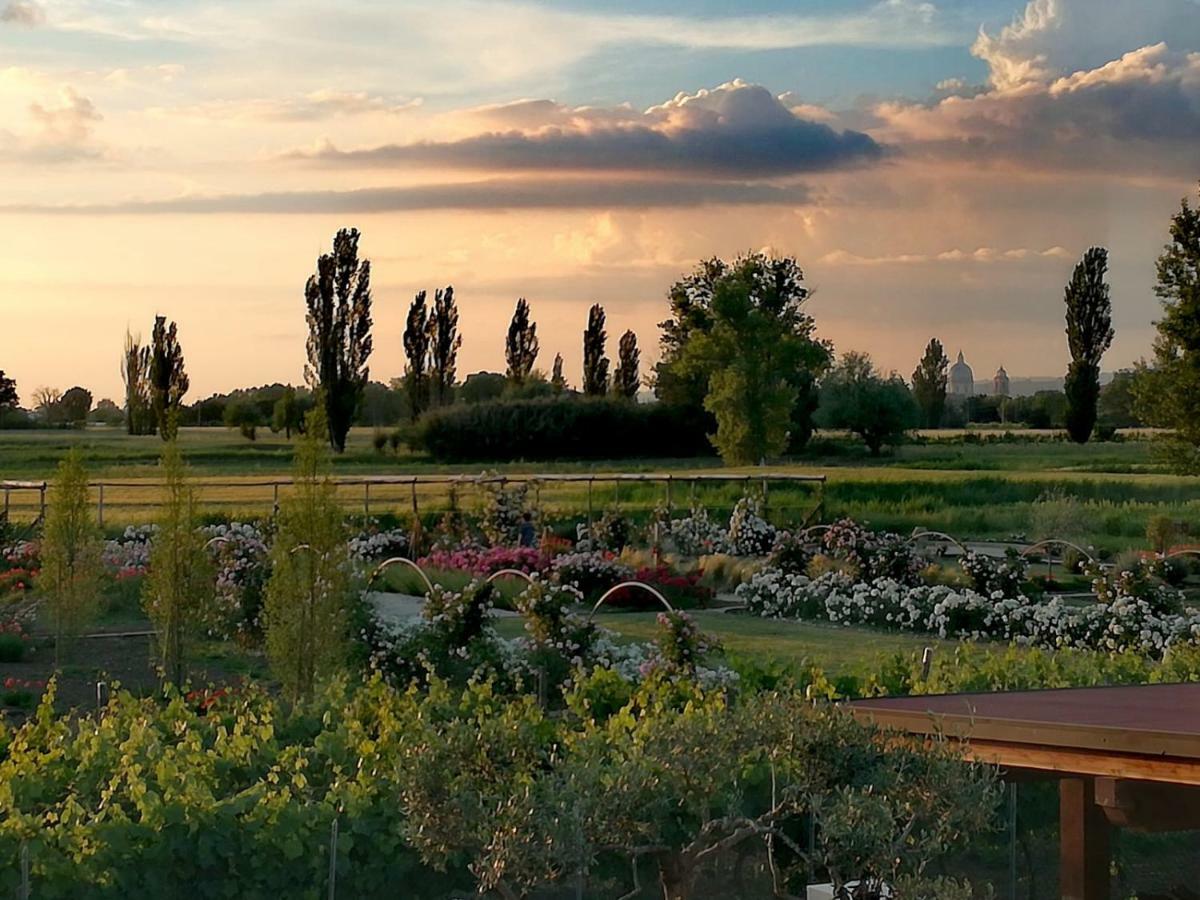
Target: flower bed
x,y
487,560
1134,612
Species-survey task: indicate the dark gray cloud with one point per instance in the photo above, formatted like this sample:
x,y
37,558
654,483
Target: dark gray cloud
x,y
22,12
735,131
480,195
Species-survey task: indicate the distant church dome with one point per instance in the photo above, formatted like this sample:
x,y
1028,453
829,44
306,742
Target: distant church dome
x,y
1000,386
962,379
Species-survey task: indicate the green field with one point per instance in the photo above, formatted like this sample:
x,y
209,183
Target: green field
x,y
1032,485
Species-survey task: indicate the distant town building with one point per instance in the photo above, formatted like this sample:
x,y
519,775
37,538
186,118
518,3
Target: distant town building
x,y
962,379
1000,385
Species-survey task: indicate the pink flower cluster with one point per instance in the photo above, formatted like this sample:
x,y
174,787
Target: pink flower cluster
x,y
486,561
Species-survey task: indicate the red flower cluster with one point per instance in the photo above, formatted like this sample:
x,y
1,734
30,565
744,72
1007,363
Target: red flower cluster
x,y
685,587
21,684
17,580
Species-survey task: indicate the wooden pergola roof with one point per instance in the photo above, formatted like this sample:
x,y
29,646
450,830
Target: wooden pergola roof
x,y
1126,756
1149,732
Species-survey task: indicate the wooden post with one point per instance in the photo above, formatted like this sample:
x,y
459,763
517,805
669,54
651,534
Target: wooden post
x,y
1085,850
42,502
367,499
6,503
100,512
668,496
590,480
275,498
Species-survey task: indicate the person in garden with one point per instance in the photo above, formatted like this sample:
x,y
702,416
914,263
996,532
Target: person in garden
x,y
526,534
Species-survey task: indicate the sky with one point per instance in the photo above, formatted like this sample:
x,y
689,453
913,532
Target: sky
x,y
937,168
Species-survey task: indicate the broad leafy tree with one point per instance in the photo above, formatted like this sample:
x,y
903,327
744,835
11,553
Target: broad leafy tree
x,y
856,397
595,362
521,345
775,291
444,343
929,383
338,298
8,395
168,380
1089,335
74,406
416,355
627,376
480,387
135,372
287,415
1167,393
1117,408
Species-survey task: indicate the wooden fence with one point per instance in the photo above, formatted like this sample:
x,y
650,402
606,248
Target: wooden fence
x,y
117,499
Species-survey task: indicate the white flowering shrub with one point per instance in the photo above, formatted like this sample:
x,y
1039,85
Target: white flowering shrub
x,y
873,554
749,533
240,552
990,575
1119,621
589,572
697,535
374,543
503,507
129,555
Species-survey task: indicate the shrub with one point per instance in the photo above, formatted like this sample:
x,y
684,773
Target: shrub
x,y
560,427
591,573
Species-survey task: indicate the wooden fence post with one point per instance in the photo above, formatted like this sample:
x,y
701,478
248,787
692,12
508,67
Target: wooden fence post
x,y
100,511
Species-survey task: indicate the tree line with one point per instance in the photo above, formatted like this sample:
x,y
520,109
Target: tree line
x,y
738,353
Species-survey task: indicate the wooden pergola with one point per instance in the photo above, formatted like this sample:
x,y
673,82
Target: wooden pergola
x,y
1124,757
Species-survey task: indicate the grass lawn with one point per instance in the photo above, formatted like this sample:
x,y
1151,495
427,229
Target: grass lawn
x,y
835,649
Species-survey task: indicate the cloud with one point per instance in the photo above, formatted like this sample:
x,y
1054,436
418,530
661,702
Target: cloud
x,y
62,132
1051,38
499,194
737,130
1139,113
310,107
22,12
955,255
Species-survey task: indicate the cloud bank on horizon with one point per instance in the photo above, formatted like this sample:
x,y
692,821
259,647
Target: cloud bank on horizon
x,y
898,148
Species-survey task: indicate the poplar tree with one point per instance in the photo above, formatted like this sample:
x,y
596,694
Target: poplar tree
x,y
444,342
179,583
338,300
929,383
168,380
521,345
627,378
416,352
135,372
595,363
558,381
1089,335
71,555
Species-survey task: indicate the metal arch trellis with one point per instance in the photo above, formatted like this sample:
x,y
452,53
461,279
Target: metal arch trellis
x,y
399,560
630,584
507,573
919,534
1057,542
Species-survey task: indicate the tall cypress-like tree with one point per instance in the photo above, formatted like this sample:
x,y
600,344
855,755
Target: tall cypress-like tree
x,y
595,363
929,383
444,341
168,380
338,298
627,377
416,352
521,345
135,372
1167,393
557,380
1089,335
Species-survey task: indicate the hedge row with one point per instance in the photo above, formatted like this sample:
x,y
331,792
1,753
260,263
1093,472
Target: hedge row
x,y
561,427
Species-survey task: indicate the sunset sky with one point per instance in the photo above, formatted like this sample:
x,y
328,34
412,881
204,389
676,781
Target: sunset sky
x,y
936,167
